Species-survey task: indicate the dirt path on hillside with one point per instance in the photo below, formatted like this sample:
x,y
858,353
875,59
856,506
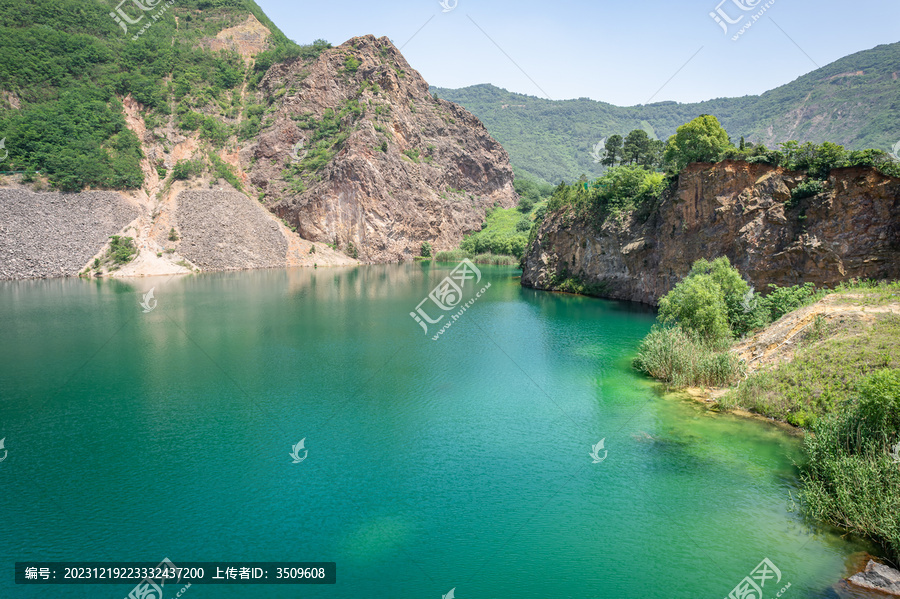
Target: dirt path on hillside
x,y
778,343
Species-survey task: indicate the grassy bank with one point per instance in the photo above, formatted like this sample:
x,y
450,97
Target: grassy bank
x,y
829,362
504,233
852,479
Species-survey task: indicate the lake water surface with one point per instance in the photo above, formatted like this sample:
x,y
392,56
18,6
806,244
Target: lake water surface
x,y
459,463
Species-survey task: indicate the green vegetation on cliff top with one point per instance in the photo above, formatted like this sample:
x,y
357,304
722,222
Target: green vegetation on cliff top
x,y
552,140
637,185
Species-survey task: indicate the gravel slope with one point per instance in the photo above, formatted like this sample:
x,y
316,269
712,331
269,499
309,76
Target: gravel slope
x,y
54,234
226,230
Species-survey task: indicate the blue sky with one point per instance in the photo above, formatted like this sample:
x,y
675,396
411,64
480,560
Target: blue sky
x,y
622,52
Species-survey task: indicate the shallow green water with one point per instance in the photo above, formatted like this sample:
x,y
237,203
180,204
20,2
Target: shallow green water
x,y
462,462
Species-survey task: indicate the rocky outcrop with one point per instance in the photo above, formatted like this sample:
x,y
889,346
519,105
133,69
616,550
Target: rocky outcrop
x,y
406,167
247,39
878,577
732,209
55,234
354,159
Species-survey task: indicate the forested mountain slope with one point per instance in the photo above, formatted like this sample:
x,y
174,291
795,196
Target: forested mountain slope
x,y
854,101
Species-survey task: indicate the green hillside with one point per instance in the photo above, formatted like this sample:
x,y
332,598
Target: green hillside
x,y
65,66
854,101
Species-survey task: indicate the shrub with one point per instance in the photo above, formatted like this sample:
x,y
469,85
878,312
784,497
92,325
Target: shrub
x,y
426,250
173,234
734,290
806,189
121,249
569,283
697,303
495,243
850,480
523,225
351,64
223,170
186,169
621,188
781,300
525,205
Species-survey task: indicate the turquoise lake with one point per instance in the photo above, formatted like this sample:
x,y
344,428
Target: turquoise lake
x,y
462,463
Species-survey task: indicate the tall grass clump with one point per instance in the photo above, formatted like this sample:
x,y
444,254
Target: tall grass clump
x,y
452,255
851,479
698,319
496,259
682,358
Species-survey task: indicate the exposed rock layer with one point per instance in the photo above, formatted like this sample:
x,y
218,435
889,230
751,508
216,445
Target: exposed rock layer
x,y
732,209
412,168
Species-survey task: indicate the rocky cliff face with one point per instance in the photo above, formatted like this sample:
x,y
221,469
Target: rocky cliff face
x,y
732,209
350,159
359,154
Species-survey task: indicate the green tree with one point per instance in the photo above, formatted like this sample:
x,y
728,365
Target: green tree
x,y
697,304
613,150
636,147
734,290
701,140
710,300
654,156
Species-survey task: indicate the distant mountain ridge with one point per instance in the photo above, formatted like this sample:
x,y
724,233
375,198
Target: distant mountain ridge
x,y
854,101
